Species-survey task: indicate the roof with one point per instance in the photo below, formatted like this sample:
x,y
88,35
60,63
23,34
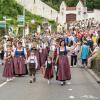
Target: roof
x,y
71,8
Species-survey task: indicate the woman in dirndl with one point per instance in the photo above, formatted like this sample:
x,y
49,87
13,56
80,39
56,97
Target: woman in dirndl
x,y
20,55
63,67
8,71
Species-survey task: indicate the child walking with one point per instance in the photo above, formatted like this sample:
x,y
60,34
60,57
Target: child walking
x,y
8,65
48,69
32,61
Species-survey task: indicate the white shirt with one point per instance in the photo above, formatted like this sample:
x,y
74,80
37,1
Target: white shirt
x,y
32,59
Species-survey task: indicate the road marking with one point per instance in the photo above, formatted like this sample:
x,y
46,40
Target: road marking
x,y
1,85
4,83
89,97
70,89
71,97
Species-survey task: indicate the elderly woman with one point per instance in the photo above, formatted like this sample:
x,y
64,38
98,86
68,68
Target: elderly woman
x,y
20,55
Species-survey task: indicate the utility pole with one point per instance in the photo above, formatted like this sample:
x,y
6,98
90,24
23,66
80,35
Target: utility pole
x,y
84,3
23,20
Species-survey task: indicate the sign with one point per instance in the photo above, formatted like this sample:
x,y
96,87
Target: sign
x,y
2,24
20,20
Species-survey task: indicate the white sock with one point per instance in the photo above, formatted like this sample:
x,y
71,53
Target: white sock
x,y
8,79
48,81
61,83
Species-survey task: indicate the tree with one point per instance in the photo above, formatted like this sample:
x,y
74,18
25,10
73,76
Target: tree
x,y
91,4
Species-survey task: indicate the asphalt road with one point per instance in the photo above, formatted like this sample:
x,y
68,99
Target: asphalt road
x,y
81,87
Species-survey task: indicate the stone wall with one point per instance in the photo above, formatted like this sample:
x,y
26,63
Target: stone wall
x,y
39,8
97,14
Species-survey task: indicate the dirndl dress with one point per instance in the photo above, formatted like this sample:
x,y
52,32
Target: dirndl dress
x,y
8,71
49,71
63,70
19,63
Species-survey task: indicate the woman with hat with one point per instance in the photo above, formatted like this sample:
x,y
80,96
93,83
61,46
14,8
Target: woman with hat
x,y
20,55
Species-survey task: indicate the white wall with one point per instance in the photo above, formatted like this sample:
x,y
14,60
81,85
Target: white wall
x,y
90,15
39,8
97,14
42,9
62,14
71,12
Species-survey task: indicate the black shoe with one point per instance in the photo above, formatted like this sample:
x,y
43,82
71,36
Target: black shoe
x,y
30,81
64,83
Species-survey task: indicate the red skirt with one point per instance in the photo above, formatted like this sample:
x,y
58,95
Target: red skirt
x,y
48,73
45,53
8,69
63,72
19,66
42,59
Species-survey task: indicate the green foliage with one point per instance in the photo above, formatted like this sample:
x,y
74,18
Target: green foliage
x,y
91,4
11,9
72,2
54,25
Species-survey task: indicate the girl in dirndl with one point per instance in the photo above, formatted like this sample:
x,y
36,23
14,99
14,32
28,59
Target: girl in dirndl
x,y
48,69
8,65
33,64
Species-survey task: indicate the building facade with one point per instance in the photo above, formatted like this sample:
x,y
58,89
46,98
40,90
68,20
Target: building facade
x,y
80,12
38,7
66,14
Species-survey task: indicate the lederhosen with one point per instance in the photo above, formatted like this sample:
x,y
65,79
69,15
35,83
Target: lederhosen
x,y
32,69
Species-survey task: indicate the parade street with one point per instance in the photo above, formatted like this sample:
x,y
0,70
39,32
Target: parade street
x,y
81,87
